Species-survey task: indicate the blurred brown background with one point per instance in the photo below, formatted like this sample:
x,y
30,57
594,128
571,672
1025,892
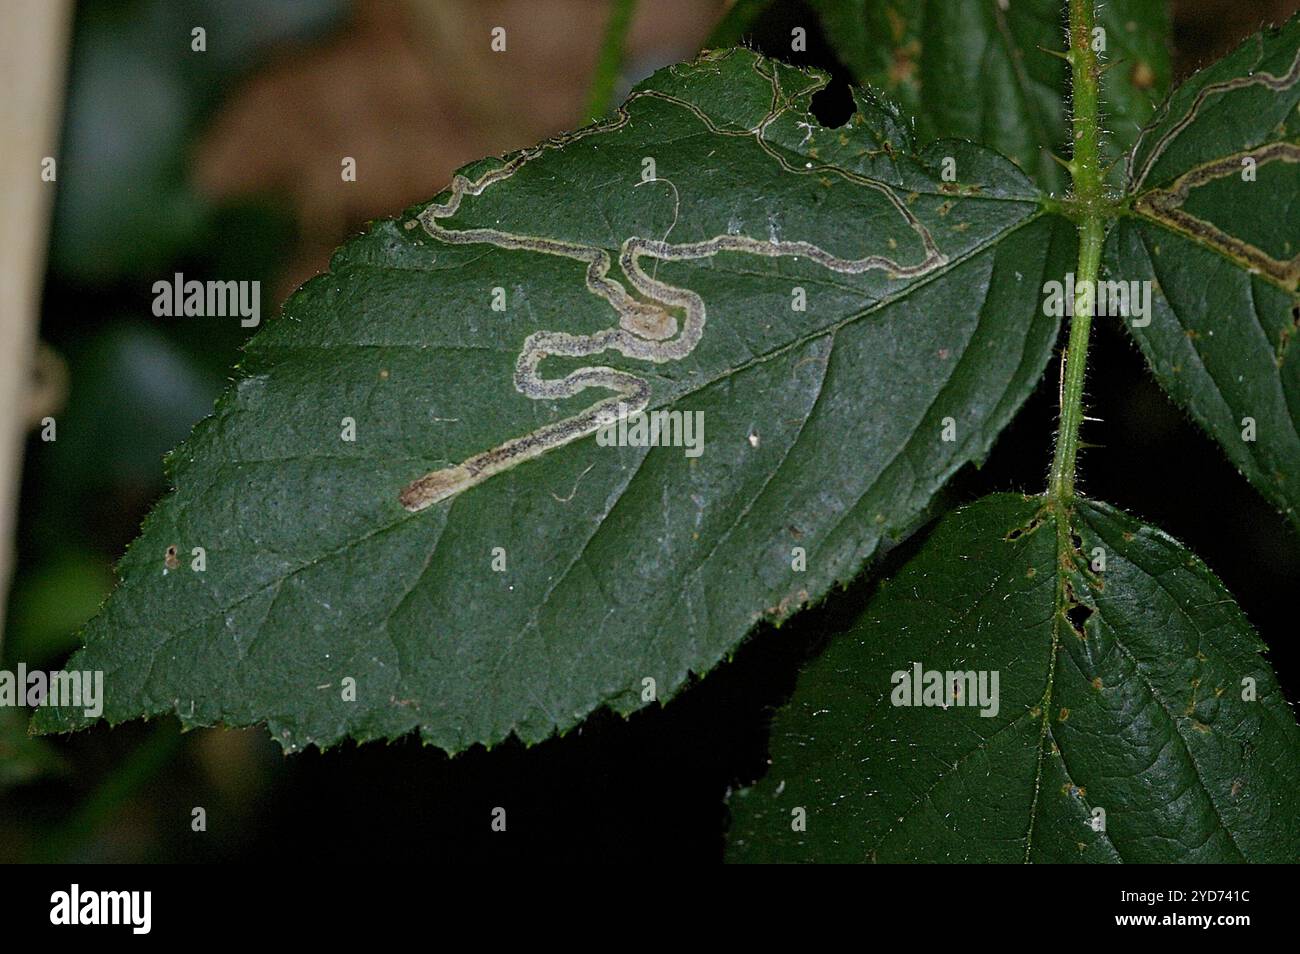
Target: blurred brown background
x,y
412,91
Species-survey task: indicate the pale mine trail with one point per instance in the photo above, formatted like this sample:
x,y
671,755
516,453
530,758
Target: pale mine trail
x,y
645,331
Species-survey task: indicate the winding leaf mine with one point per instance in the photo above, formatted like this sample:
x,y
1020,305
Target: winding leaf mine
x,y
1214,183
851,325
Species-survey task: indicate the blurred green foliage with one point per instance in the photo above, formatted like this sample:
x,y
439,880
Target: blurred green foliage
x,y
127,214
137,95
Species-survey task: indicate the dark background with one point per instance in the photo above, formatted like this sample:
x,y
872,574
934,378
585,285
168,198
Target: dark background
x,y
228,164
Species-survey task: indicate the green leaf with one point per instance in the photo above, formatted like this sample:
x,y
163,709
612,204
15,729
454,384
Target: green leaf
x,y
824,429
1120,687
1222,254
989,71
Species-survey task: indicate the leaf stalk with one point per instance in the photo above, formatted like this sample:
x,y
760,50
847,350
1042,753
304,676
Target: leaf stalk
x,y
1093,207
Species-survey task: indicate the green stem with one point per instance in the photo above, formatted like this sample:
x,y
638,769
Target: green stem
x,y
1091,209
600,100
1090,199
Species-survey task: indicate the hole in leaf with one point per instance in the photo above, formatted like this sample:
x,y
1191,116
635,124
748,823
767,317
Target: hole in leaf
x,y
1030,527
1078,615
833,105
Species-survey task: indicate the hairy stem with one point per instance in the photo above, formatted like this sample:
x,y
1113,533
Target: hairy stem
x,y
1090,199
600,100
